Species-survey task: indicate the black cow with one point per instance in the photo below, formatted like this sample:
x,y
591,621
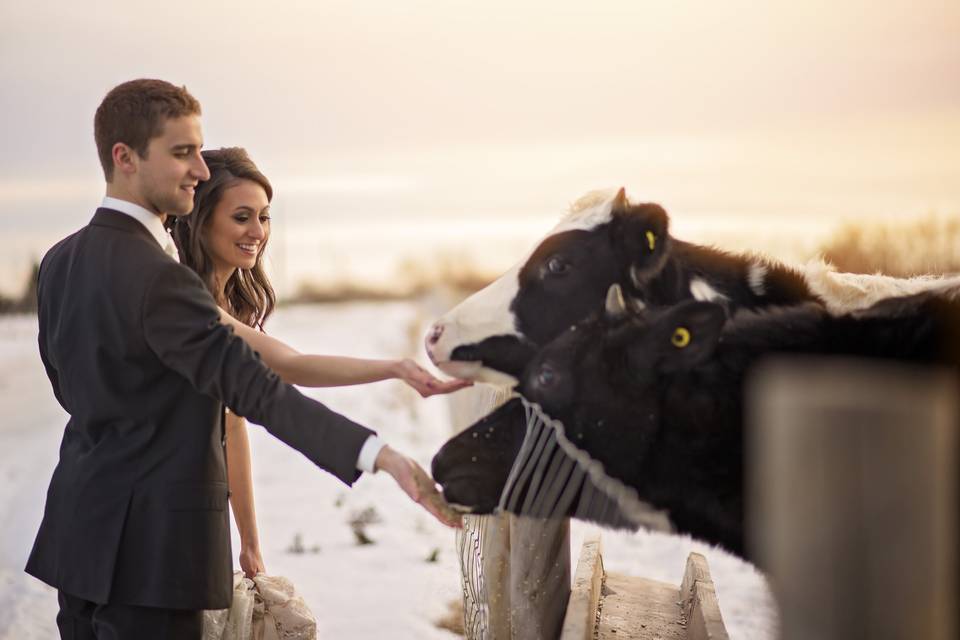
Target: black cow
x,y
656,397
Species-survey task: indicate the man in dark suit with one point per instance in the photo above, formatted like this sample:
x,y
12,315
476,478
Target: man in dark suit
x,y
135,532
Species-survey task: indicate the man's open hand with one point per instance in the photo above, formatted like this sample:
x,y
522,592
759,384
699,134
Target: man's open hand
x,y
417,484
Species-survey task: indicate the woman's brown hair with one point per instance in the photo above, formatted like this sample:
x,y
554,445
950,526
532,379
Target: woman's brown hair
x,y
249,297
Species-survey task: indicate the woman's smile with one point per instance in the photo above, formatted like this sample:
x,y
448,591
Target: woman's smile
x,y
239,227
249,248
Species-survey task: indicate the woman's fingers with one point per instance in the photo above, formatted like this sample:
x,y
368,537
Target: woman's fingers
x,y
434,386
251,562
426,384
450,386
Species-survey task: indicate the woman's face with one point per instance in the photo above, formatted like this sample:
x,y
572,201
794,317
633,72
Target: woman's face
x,y
239,227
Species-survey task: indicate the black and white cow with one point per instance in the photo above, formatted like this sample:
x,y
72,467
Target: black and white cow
x,y
656,397
606,240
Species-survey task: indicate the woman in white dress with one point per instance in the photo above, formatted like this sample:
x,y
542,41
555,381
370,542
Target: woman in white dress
x,y
223,241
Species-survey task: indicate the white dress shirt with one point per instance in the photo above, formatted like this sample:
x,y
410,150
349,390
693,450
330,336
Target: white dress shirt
x,y
148,219
371,447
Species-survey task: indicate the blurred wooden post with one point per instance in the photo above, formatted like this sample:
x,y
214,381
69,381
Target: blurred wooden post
x,y
853,501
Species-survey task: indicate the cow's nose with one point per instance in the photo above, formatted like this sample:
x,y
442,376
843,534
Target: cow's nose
x,y
435,332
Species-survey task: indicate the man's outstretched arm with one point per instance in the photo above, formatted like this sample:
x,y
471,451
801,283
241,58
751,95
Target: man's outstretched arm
x,y
181,325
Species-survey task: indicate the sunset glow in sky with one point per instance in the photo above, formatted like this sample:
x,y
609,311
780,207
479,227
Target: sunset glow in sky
x,y
447,111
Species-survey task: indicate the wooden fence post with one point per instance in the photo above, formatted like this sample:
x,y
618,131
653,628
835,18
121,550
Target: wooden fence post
x,y
515,571
853,500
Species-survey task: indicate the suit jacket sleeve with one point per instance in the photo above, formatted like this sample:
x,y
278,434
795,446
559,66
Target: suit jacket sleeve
x,y
181,325
52,373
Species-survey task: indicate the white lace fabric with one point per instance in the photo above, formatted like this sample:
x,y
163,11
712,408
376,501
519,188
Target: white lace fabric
x,y
265,608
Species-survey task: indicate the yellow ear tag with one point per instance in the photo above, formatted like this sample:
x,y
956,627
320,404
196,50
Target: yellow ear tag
x,y
680,338
651,240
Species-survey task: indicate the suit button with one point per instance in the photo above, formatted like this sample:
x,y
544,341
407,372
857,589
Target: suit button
x,y
223,441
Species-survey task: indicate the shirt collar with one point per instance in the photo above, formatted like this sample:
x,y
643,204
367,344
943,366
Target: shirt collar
x,y
147,218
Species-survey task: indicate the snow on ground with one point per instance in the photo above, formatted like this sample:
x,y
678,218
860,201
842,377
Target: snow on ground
x,y
387,589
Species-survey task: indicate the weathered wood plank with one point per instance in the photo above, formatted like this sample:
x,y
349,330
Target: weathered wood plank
x,y
696,571
581,617
700,607
705,621
640,609
611,606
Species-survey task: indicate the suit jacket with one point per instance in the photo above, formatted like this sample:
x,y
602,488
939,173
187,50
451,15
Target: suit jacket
x,y
136,512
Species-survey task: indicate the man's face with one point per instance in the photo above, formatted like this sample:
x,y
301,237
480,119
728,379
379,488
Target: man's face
x,y
173,166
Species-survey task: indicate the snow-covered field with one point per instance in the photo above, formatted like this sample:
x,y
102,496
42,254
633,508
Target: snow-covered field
x,y
387,589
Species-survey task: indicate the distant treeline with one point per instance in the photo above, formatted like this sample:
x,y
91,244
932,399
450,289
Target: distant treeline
x,y
313,293
927,246
26,303
902,249
414,278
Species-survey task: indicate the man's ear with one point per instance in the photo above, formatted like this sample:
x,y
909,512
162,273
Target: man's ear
x,y
642,234
124,158
682,338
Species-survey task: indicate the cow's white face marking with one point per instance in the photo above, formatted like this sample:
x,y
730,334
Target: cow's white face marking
x,y
757,278
487,312
484,314
701,290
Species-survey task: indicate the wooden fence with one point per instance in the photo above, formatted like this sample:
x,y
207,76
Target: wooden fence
x,y
854,497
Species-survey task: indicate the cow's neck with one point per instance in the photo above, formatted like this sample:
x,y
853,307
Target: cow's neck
x,y
695,468
705,273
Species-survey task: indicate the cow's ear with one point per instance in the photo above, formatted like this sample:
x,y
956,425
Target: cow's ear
x,y
619,204
642,233
682,338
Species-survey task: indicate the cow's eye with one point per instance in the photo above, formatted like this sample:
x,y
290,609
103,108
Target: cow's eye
x,y
546,376
557,265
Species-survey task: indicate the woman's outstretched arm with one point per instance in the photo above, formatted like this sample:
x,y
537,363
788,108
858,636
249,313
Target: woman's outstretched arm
x,y
335,371
240,480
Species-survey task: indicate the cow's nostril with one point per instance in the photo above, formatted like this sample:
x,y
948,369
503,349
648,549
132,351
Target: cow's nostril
x,y
435,334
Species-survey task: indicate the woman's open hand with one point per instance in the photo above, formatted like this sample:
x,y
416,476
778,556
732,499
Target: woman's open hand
x,y
423,382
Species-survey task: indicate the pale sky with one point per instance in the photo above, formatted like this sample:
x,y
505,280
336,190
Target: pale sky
x,y
301,77
441,105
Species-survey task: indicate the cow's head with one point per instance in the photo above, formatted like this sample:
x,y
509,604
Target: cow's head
x,y
598,382
604,240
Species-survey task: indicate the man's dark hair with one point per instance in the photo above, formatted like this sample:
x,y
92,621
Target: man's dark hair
x,y
136,111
